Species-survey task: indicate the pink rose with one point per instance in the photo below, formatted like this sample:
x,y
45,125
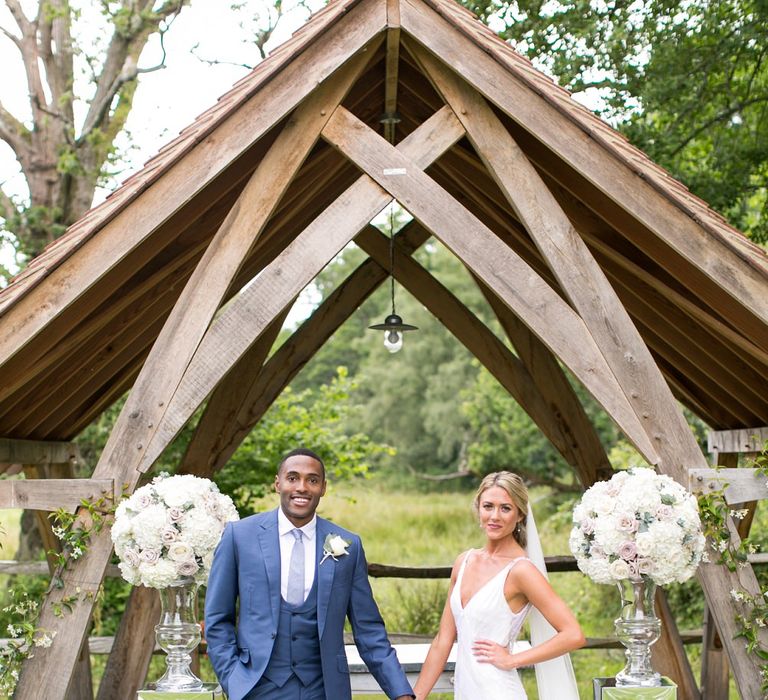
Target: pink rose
x,y
628,551
150,556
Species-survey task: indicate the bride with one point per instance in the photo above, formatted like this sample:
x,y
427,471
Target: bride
x,y
492,591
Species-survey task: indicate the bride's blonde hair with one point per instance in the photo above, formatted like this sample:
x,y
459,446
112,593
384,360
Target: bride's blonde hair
x,y
516,490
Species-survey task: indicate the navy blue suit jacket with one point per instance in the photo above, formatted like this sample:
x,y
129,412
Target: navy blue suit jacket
x,y
246,569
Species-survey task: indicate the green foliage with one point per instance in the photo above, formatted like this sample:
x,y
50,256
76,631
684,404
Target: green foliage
x,y
686,82
312,418
752,610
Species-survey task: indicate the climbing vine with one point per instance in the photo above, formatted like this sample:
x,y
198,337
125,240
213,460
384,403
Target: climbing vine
x,y
715,515
74,531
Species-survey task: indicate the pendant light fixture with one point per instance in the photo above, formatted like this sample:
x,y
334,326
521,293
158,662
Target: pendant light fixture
x,y
393,325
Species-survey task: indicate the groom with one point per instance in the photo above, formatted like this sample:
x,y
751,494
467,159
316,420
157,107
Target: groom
x,y
286,640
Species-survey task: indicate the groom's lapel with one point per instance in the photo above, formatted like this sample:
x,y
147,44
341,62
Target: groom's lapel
x,y
325,573
269,542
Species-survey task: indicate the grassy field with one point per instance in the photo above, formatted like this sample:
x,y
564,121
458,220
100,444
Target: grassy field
x,y
421,530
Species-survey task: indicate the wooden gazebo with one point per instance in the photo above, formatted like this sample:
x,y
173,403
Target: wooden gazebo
x,y
176,286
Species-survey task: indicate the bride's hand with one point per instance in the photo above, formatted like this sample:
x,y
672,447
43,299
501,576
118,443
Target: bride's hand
x,y
488,652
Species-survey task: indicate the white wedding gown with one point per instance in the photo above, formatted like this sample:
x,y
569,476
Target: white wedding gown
x,y
486,616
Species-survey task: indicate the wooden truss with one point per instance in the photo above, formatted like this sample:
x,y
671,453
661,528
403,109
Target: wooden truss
x,y
210,251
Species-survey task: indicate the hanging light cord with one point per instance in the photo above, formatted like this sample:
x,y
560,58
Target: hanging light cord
x,y
392,252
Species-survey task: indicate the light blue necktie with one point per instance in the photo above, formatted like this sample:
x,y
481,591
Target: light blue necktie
x,y
296,571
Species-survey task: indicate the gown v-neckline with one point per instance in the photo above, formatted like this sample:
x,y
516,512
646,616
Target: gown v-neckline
x,y
492,578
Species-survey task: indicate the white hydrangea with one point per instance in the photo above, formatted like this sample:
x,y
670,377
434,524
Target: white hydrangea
x,y
169,529
637,524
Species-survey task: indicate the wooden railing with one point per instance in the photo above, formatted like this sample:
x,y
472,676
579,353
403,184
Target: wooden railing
x,y
103,645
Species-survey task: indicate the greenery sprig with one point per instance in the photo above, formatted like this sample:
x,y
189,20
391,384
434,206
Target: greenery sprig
x,y
74,531
715,514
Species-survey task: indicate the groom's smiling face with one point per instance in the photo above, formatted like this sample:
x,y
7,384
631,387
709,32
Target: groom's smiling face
x,y
301,484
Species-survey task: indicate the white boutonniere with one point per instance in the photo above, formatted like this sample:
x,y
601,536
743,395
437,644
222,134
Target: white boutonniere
x,y
334,546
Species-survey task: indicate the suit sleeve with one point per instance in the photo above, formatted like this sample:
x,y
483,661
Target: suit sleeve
x,y
371,635
221,608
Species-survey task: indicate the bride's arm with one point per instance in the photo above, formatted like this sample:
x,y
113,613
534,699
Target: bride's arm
x,y
441,645
525,578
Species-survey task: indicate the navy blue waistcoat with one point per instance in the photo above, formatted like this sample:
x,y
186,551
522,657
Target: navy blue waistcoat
x,y
297,645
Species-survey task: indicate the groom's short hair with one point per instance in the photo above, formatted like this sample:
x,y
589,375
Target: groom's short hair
x,y
303,452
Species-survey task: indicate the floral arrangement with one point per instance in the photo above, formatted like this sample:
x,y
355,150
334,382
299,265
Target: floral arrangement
x,y
169,529
638,524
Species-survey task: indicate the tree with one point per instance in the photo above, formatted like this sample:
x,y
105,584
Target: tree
x,y
63,157
316,419
686,82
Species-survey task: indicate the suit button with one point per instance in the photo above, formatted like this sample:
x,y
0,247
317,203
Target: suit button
x,y
293,663
294,638
273,635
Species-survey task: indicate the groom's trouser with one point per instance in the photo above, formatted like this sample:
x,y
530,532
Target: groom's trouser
x,y
293,690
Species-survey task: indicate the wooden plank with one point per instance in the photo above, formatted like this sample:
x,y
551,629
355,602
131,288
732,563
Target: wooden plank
x,y
739,440
220,417
163,369
590,460
714,662
501,268
51,494
242,320
297,350
391,70
39,452
740,484
214,274
577,271
586,155
40,568
175,188
511,373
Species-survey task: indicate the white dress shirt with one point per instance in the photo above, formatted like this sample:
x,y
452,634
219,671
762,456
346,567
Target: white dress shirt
x,y
285,529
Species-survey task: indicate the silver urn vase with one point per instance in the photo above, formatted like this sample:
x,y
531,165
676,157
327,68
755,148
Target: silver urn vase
x,y
637,628
178,634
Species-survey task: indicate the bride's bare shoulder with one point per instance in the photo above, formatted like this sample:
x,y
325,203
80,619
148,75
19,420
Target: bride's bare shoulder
x,y
458,562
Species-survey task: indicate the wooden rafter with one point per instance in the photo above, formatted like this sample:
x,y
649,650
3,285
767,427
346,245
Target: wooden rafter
x,y
518,285
534,396
731,284
240,322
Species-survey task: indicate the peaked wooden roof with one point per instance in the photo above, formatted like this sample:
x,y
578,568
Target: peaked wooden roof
x,y
80,319
586,251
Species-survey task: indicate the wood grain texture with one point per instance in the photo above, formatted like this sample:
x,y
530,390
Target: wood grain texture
x,y
241,321
555,323
581,152
52,494
38,452
737,441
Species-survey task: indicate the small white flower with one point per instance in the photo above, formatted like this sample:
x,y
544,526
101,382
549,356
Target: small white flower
x,y
334,546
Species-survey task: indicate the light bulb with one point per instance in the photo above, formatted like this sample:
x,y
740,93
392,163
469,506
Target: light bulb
x,y
393,340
